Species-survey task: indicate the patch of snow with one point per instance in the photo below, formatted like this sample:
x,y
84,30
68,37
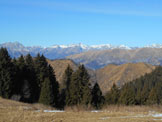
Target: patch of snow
x,y
157,119
105,118
157,115
96,111
53,111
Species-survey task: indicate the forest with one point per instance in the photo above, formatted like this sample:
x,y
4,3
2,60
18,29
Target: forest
x,y
32,80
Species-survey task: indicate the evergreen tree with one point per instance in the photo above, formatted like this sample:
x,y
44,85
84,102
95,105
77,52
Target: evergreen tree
x,y
80,92
54,86
113,95
46,95
97,98
153,98
128,94
45,73
41,68
6,74
31,78
65,95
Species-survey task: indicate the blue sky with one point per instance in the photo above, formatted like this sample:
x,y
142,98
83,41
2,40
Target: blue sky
x,y
49,22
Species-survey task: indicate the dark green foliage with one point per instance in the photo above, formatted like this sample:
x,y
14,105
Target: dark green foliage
x,y
127,95
49,89
144,90
113,95
24,79
43,72
97,98
6,74
79,89
31,78
54,86
65,92
41,68
46,95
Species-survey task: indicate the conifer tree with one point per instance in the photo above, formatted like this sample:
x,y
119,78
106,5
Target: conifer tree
x,y
97,98
6,74
45,73
54,86
112,96
80,92
128,95
31,78
153,98
46,95
65,94
41,68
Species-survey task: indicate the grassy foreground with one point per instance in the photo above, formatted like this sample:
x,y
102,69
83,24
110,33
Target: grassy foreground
x,y
12,111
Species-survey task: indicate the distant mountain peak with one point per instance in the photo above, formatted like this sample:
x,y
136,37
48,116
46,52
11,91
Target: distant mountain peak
x,y
92,56
154,46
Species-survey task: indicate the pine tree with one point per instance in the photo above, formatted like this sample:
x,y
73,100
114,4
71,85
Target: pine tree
x,y
97,98
128,95
153,98
31,78
80,92
54,86
6,74
41,68
46,95
112,96
65,95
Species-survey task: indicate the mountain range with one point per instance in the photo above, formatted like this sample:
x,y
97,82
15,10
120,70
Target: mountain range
x,y
94,56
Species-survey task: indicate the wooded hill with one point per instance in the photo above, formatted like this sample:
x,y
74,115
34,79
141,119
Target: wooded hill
x,y
33,80
107,76
146,90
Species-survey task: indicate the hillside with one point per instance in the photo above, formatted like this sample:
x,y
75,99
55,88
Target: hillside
x,y
120,74
107,76
60,66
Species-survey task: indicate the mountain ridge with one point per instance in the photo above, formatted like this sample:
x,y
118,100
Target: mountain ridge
x,y
94,56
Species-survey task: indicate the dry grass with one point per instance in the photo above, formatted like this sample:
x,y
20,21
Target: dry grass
x,y
11,111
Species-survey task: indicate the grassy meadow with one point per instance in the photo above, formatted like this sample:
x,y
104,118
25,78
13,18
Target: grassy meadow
x,y
12,111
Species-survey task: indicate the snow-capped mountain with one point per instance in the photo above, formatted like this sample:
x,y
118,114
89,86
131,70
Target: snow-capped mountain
x,y
154,46
93,56
91,47
56,51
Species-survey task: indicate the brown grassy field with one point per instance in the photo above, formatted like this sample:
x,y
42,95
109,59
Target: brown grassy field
x,y
11,111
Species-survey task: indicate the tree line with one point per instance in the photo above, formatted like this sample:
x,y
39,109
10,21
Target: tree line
x,y
146,90
33,80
